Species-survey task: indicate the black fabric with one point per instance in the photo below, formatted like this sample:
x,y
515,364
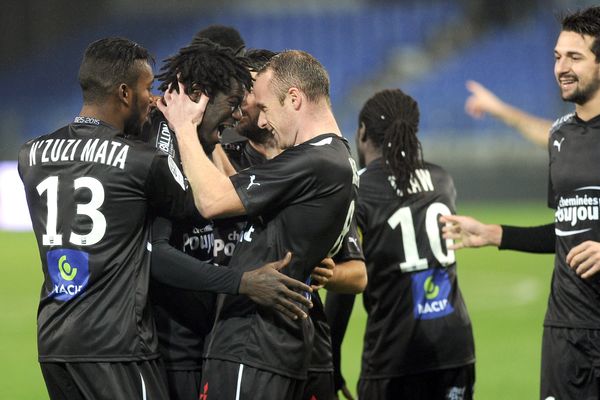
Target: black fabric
x,y
92,195
574,147
570,363
223,380
175,268
105,381
300,201
319,386
535,239
418,320
184,385
452,384
338,309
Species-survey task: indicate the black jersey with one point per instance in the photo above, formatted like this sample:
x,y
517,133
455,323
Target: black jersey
x,y
417,319
90,194
300,201
574,192
321,359
183,317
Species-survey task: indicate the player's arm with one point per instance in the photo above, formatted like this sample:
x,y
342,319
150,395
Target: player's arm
x,y
338,308
221,161
468,232
264,285
346,272
214,194
482,101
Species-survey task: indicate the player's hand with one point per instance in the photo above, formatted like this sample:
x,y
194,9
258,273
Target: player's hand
x,y
269,287
180,110
322,274
482,101
585,259
345,392
468,232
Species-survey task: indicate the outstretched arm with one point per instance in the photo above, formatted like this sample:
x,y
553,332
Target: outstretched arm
x,y
468,232
482,101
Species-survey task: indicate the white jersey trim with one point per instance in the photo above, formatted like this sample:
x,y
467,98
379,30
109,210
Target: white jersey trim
x,y
239,382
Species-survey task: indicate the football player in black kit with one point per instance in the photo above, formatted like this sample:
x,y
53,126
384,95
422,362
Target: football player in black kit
x,y
185,317
571,339
348,273
92,195
300,201
418,341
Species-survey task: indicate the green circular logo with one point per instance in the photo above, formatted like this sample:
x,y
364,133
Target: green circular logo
x,y
66,271
431,289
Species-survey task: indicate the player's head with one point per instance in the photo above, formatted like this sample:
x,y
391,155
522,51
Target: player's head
x,y
225,36
577,56
248,125
389,122
290,82
205,67
118,71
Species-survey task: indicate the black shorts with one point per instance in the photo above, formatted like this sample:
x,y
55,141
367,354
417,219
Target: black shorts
x,y
184,384
319,386
448,384
570,364
225,380
105,380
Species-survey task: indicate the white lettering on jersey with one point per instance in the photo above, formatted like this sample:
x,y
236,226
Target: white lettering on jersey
x,y
247,235
177,175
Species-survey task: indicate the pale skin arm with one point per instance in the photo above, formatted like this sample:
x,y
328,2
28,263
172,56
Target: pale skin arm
x,y
482,101
467,232
585,259
214,193
221,161
348,277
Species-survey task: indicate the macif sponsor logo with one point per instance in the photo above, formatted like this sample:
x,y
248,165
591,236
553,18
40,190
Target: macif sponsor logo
x,y
431,291
69,272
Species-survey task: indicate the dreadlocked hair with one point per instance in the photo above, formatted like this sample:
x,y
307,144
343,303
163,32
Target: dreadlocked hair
x,y
391,120
205,66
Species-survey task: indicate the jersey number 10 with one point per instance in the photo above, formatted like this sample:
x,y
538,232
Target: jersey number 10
x,y
414,262
51,237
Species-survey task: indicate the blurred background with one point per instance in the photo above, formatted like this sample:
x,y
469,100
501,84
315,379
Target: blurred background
x,y
428,48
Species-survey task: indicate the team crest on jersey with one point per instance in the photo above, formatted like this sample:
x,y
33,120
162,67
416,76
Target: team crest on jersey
x,y
177,175
69,272
431,292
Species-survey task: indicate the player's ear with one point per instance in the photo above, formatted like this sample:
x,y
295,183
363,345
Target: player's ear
x,y
124,93
362,132
295,97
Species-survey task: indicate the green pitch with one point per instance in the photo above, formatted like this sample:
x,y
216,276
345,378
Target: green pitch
x,y
506,294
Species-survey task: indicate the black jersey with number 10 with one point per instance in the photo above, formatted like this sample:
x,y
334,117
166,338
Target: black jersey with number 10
x,y
92,195
417,317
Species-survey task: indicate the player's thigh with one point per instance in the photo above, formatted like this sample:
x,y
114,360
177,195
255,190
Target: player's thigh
x,y
184,384
120,380
452,384
226,380
59,382
319,386
570,364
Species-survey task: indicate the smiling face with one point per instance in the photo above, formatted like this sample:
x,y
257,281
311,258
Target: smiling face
x,y
223,111
575,68
274,116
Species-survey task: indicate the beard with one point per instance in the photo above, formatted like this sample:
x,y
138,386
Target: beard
x,y
583,94
254,133
133,124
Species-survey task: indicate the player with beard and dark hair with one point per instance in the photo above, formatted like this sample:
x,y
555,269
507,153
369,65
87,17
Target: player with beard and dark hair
x,y
571,339
300,201
90,193
184,317
418,341
226,36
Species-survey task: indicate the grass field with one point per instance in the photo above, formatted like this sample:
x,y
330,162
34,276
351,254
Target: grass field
x,y
506,294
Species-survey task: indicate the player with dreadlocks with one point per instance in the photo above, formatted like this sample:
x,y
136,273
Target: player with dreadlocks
x,y
185,317
418,341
